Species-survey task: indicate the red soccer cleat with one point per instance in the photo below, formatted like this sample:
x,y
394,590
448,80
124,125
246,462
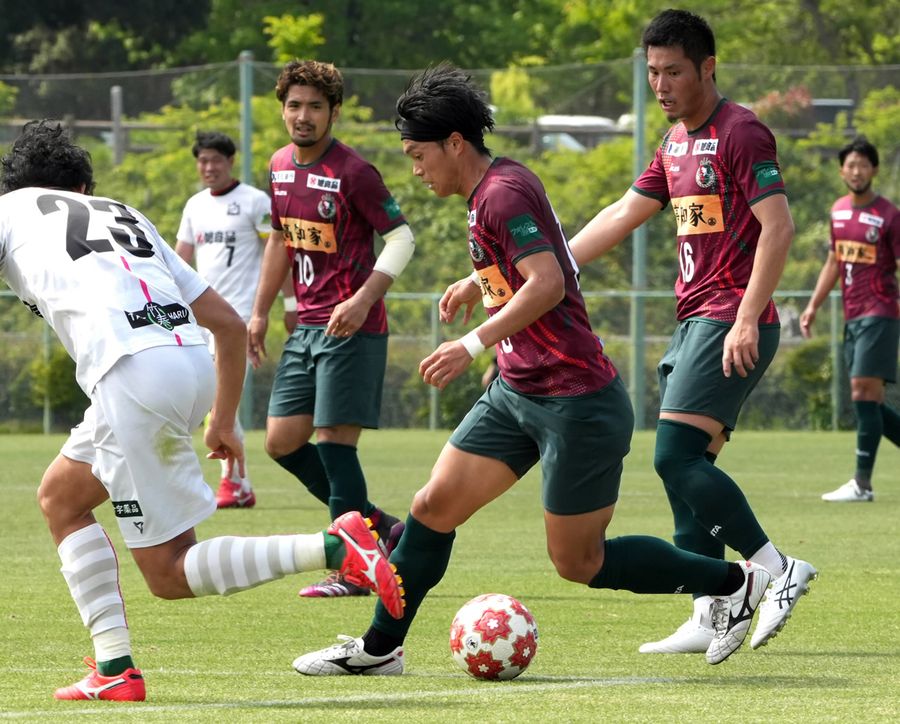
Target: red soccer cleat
x,y
365,564
127,686
232,495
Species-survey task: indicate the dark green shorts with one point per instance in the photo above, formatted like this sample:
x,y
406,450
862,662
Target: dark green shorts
x,y
870,347
336,380
690,373
580,441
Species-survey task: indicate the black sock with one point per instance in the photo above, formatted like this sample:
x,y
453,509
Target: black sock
x,y
378,643
114,667
733,581
306,465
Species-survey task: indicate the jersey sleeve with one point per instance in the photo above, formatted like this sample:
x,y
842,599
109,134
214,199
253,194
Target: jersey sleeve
x,y
517,220
894,235
371,198
754,161
262,213
185,231
189,282
653,182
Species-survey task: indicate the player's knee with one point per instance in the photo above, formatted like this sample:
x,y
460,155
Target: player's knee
x,y
167,586
432,510
578,566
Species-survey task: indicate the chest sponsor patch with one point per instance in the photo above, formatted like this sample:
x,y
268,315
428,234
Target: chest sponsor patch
x,y
854,252
283,177
842,215
309,235
698,214
495,292
323,183
705,146
674,148
870,219
523,229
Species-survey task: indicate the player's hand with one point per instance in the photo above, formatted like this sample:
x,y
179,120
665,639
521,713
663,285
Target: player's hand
x,y
445,364
225,445
290,321
461,293
256,340
806,322
741,352
347,317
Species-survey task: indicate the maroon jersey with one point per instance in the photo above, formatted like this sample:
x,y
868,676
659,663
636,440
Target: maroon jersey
x,y
866,244
510,217
328,212
712,176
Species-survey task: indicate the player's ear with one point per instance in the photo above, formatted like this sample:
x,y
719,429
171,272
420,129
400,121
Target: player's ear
x,y
335,112
708,68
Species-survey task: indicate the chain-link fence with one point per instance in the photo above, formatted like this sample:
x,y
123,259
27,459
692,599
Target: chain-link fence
x,y
586,103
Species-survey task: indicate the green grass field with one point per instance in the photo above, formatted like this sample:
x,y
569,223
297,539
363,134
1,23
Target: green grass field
x,y
216,659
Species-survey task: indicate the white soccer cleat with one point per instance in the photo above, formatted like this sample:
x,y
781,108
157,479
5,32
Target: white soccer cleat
x,y
693,636
849,492
732,615
780,599
349,658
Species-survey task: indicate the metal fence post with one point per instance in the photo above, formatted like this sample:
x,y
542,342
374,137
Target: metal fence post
x,y
639,250
118,133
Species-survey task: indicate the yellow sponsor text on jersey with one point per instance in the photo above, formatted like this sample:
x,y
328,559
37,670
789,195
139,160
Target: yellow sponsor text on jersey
x,y
854,252
495,292
309,235
698,214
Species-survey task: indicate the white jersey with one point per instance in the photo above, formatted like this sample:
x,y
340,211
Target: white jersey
x,y
99,273
225,231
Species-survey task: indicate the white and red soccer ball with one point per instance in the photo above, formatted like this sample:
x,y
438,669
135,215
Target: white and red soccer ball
x,y
493,636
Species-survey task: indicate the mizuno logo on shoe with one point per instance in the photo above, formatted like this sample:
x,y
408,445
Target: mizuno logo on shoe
x,y
94,692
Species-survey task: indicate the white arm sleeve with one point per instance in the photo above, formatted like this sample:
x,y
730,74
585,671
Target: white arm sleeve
x,y
398,250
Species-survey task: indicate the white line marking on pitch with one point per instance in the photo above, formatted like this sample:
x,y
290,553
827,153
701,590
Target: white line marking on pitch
x,y
487,689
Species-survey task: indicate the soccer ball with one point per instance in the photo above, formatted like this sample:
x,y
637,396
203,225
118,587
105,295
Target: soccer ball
x,y
493,636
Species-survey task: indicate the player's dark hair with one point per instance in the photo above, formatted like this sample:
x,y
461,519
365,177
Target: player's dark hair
x,y
323,76
215,141
44,155
681,29
863,147
441,100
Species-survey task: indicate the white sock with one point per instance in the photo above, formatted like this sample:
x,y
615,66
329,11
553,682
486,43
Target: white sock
x,y
91,570
235,476
771,559
228,564
112,644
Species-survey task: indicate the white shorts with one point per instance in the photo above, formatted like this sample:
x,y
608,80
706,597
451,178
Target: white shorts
x,y
137,438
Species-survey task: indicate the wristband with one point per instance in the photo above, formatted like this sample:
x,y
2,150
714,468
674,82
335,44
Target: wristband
x,y
475,278
472,344
290,304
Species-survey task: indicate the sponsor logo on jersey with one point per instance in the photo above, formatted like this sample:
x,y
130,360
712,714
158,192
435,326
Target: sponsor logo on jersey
x,y
327,208
697,214
323,183
842,214
703,146
33,308
523,229
706,175
127,509
475,250
766,173
283,177
855,252
167,316
309,235
473,218
495,291
870,219
234,209
391,208
674,148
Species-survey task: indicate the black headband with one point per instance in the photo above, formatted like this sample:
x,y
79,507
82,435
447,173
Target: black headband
x,y
411,130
